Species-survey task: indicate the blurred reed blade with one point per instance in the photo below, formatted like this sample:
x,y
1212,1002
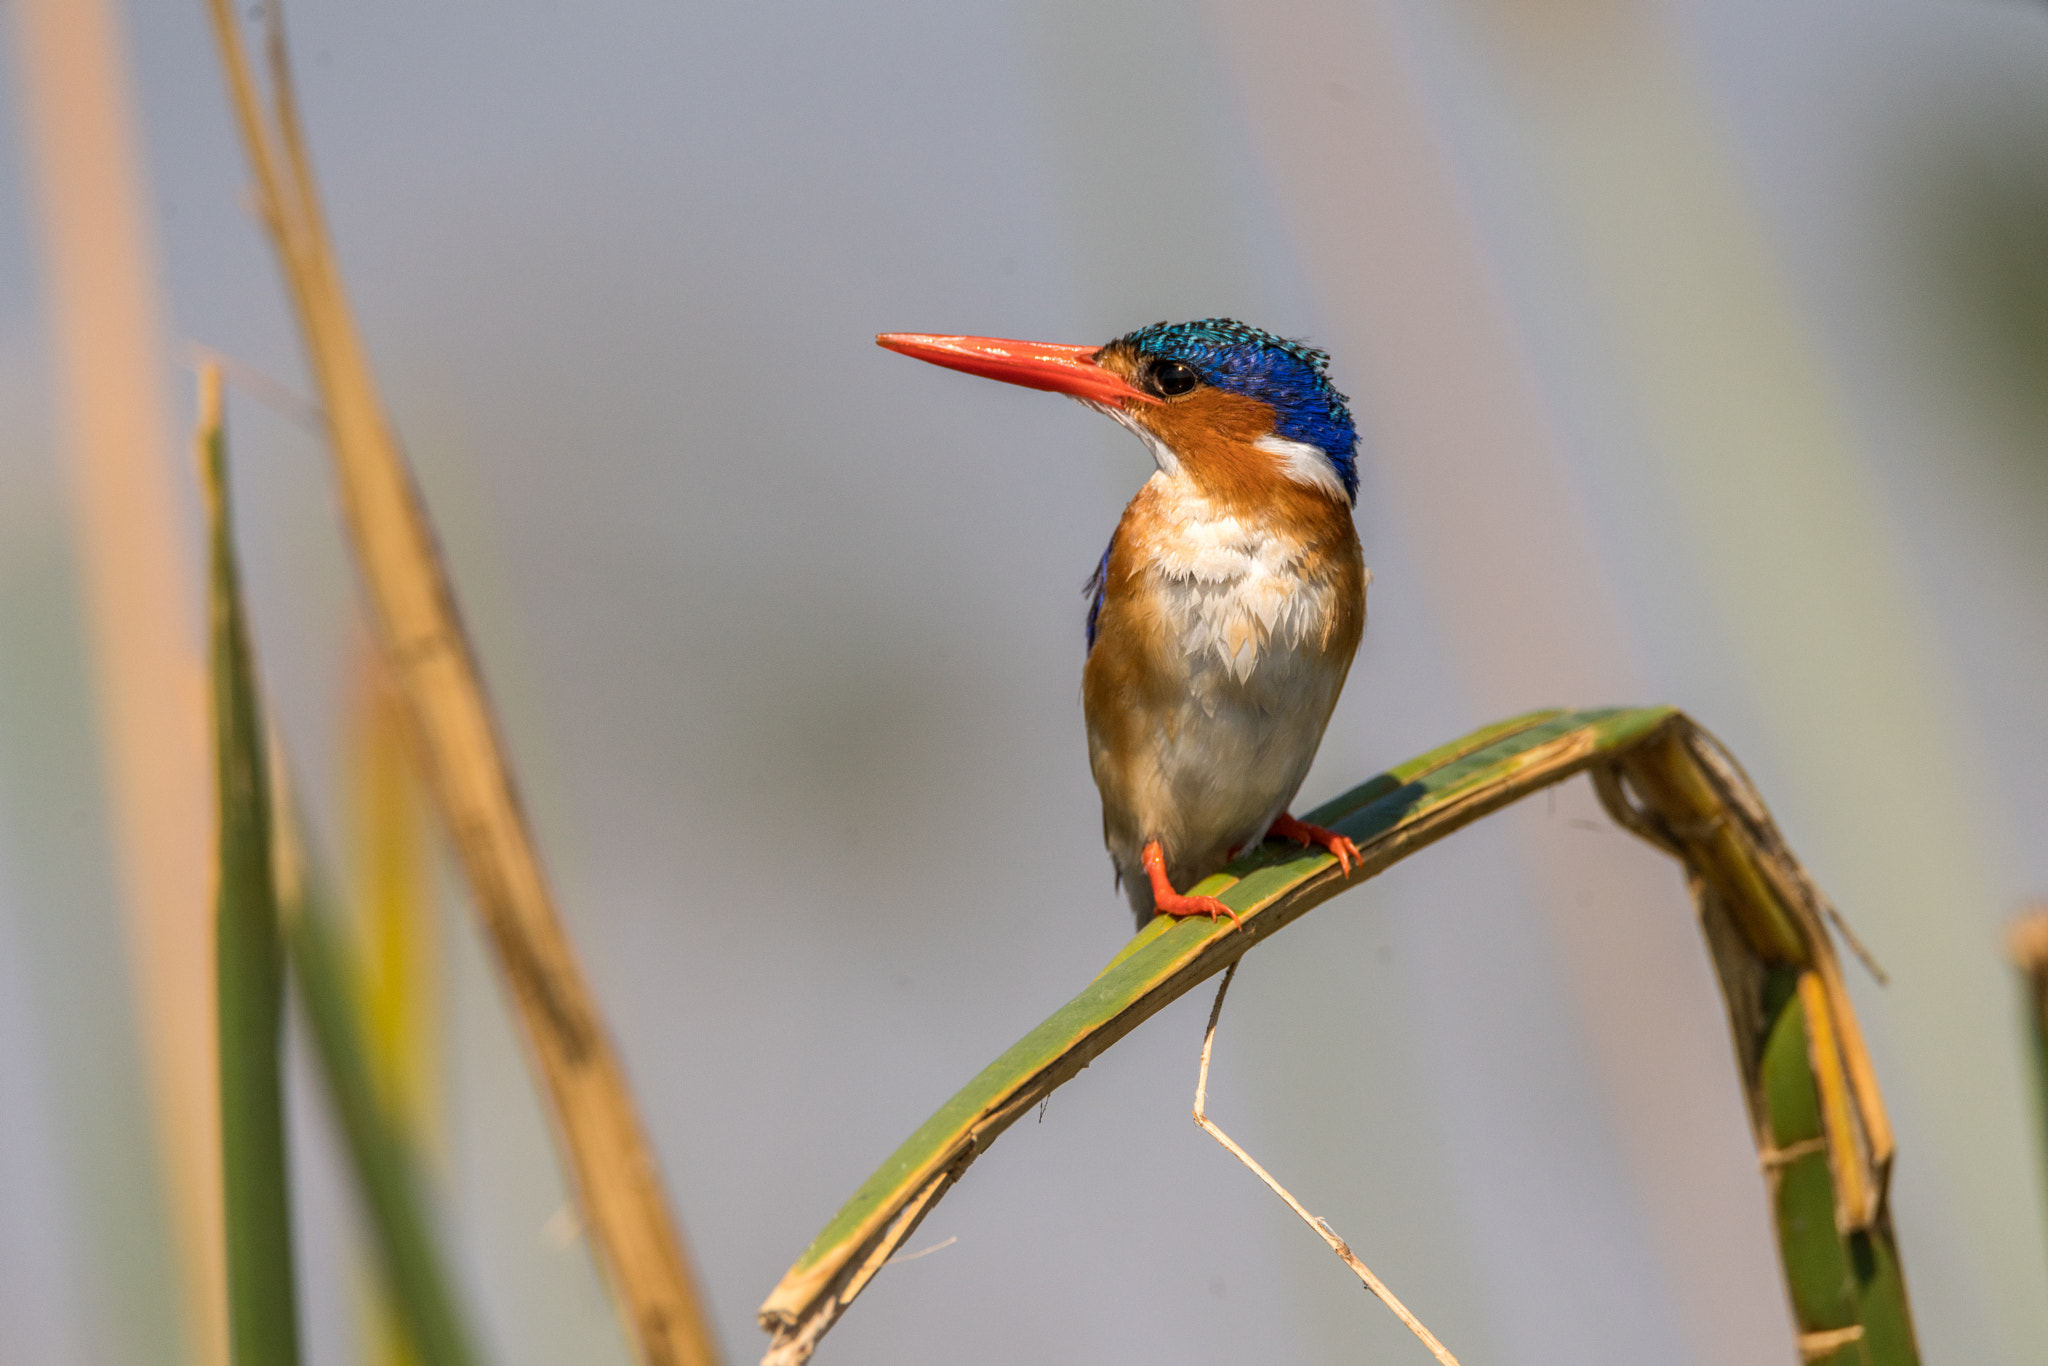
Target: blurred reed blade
x,y
1811,1095
2027,943
83,185
611,1164
262,1308
395,924
396,931
380,1149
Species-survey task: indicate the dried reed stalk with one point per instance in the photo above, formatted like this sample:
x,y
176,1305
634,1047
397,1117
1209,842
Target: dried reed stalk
x,y
1322,1227
611,1164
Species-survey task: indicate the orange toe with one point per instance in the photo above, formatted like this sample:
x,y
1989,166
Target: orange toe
x,y
1286,827
1166,901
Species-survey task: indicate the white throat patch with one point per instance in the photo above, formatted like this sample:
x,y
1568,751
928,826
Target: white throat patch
x,y
1163,455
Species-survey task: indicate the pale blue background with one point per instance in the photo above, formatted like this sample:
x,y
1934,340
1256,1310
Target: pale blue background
x,y
787,635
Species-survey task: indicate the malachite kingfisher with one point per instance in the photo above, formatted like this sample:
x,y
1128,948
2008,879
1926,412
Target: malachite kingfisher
x,y
1224,615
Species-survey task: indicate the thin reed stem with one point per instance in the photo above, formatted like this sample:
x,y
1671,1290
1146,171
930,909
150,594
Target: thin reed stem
x,y
1323,1230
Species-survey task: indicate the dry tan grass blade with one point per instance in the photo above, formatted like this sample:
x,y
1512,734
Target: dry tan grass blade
x,y
1321,1226
612,1166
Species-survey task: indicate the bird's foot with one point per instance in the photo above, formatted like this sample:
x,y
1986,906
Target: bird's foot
x,y
1285,827
1166,901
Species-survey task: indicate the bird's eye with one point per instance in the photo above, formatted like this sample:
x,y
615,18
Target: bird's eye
x,y
1174,377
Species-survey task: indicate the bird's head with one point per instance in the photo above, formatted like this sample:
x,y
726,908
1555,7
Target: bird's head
x,y
1237,409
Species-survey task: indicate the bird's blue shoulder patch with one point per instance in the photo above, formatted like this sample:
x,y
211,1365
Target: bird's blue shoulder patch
x,y
1291,376
1097,585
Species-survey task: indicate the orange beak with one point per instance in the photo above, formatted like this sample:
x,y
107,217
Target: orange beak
x,y
1035,365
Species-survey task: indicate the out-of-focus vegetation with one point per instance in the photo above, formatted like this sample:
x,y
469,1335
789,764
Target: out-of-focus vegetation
x,y
414,607
263,1307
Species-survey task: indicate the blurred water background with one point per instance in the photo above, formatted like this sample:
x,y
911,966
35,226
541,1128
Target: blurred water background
x,y
1699,350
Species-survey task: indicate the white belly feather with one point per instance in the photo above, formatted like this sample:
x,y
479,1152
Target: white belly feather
x,y
1247,632
1235,594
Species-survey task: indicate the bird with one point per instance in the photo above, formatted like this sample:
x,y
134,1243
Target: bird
x,y
1225,613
